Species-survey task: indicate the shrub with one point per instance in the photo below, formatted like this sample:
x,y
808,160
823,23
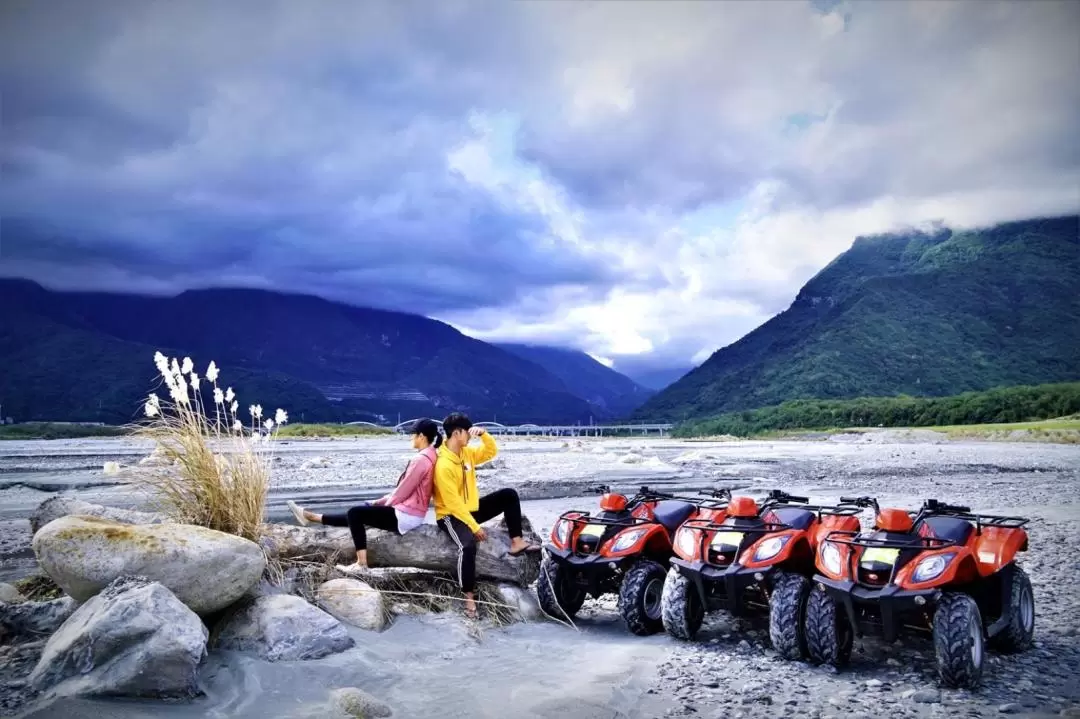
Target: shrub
x,y
217,470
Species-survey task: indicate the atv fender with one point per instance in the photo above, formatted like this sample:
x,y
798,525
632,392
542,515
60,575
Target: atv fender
x,y
996,547
959,570
648,539
797,544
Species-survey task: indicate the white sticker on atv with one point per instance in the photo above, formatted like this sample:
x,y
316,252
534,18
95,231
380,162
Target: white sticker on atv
x,y
884,555
592,530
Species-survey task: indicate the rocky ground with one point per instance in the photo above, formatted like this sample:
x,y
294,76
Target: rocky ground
x,y
728,670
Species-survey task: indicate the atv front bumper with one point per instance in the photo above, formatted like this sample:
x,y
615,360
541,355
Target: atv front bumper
x,y
594,572
735,579
891,602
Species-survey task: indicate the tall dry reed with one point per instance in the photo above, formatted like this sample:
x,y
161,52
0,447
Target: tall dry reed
x,y
215,471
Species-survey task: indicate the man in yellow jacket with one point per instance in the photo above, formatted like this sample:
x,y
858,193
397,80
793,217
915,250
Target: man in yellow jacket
x,y
459,508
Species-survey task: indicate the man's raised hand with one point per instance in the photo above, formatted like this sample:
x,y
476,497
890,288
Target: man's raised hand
x,y
476,431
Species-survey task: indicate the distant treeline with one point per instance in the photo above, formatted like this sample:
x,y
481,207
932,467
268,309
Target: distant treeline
x,y
1010,404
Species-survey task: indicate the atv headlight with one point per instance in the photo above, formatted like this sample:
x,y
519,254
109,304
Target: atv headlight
x,y
562,532
830,557
626,540
769,548
930,568
686,541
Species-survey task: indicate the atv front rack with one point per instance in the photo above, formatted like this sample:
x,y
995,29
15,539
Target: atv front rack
x,y
704,525
628,521
915,541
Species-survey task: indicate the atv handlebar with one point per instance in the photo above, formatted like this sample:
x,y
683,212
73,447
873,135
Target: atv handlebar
x,y
777,495
932,505
861,502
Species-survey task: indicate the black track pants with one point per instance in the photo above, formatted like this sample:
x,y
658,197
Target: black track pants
x,y
358,519
504,501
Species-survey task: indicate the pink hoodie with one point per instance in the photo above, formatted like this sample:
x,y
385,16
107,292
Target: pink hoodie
x,y
413,491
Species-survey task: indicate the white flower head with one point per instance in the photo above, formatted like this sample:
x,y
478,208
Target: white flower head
x,y
187,366
234,407
237,426
179,396
219,396
281,416
161,362
174,368
269,424
151,409
153,399
256,411
230,396
212,372
195,381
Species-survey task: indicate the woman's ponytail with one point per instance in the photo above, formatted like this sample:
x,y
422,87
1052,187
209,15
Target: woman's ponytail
x,y
438,441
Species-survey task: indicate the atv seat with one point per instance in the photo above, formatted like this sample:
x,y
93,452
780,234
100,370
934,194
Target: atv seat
x,y
794,517
671,513
951,528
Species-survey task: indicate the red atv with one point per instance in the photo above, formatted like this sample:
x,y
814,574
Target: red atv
x,y
943,571
622,549
747,559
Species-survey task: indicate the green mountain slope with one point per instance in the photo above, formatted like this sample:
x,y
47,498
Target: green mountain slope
x,y
610,392
87,356
924,314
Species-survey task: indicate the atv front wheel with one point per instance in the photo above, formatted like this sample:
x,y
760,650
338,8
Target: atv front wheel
x,y
1017,635
787,608
828,634
958,641
559,597
680,606
640,598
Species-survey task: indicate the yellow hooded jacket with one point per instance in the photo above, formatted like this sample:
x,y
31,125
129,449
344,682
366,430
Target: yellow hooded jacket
x,y
455,490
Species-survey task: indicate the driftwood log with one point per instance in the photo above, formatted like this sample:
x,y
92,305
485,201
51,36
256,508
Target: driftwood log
x,y
426,547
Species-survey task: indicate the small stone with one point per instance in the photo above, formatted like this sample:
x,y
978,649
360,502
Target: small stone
x,y
744,645
893,662
10,595
874,683
1010,708
926,696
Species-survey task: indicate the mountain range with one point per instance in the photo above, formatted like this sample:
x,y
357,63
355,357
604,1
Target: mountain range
x,y
87,356
928,313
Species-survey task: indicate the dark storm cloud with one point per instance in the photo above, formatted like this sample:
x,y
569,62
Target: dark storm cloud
x,y
156,146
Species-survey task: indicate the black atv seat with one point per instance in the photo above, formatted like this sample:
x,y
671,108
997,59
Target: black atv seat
x,y
951,528
671,513
794,517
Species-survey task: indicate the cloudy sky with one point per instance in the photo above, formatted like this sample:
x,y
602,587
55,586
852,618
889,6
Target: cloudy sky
x,y
646,181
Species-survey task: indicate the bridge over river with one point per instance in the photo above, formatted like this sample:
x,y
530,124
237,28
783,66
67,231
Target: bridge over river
x,y
557,430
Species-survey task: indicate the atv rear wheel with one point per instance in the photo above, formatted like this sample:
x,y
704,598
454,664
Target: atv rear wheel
x,y
1017,635
640,597
828,634
787,609
958,641
680,606
559,597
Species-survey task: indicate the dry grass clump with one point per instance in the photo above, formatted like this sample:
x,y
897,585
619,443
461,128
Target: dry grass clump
x,y
217,471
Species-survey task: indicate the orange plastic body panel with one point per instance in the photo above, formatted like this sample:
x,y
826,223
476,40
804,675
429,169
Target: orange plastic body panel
x,y
742,507
613,502
893,520
795,538
996,547
705,515
831,523
960,569
574,529
650,534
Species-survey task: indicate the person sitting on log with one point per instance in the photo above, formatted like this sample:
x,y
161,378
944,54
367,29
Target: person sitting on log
x,y
459,508
402,510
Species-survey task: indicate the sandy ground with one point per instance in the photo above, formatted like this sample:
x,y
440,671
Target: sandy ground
x,y
432,667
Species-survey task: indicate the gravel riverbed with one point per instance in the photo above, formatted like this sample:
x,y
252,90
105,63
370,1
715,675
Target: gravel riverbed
x,y
728,670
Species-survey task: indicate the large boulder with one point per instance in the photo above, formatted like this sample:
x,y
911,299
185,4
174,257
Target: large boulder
x,y
35,619
281,627
62,506
207,570
134,638
426,547
353,602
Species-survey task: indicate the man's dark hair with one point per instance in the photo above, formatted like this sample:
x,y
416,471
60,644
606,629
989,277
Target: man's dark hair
x,y
455,421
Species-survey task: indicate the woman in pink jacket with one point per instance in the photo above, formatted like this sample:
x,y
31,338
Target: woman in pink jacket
x,y
400,511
